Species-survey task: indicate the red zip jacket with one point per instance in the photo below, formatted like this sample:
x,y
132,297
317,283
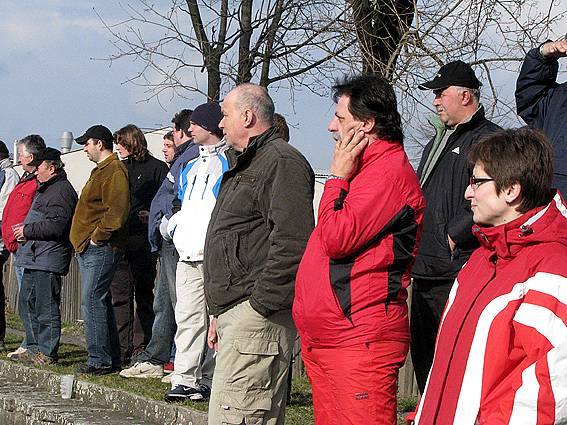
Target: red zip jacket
x,y
351,283
501,351
16,209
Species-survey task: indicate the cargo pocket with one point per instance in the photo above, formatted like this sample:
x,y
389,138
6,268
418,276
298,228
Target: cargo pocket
x,y
253,363
237,408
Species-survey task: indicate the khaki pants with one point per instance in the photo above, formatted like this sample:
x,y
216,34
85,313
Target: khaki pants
x,y
250,380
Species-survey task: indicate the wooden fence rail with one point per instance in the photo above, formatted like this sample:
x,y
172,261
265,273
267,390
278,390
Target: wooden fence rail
x,y
71,312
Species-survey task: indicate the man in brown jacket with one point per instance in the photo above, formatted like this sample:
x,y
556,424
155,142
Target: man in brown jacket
x,y
98,236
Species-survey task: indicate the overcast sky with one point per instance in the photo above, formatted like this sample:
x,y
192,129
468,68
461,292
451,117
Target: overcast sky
x,y
49,82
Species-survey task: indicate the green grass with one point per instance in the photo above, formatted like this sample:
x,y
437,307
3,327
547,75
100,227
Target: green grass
x,y
299,411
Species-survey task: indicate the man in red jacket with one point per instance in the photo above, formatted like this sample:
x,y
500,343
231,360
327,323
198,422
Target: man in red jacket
x,y
19,203
350,296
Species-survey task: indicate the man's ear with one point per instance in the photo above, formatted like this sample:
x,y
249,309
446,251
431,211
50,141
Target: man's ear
x,y
368,125
248,118
513,193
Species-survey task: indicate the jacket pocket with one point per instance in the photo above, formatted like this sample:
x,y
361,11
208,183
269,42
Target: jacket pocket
x,y
233,244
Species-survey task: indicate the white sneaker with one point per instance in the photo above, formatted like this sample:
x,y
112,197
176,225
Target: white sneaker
x,y
167,378
143,370
19,350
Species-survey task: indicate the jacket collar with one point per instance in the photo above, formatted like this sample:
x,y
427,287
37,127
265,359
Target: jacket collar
x,y
472,121
178,151
106,161
255,143
377,149
206,151
542,224
61,175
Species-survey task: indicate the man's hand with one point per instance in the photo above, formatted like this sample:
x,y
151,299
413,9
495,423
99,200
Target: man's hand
x,y
212,337
347,153
554,49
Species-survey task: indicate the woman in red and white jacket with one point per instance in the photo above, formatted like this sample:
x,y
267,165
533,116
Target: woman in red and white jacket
x,y
501,352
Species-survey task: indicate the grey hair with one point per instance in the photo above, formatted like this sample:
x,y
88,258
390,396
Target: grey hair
x,y
32,144
256,98
475,93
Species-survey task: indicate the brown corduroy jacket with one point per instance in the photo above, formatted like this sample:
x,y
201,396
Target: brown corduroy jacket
x,y
103,207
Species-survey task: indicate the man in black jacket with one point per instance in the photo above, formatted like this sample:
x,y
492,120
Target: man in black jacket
x,y
447,240
256,237
45,255
542,102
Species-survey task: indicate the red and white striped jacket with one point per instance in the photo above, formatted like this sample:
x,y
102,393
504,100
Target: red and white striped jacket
x,y
501,352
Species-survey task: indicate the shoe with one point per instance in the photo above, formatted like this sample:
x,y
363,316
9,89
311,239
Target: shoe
x,y
87,369
168,367
167,378
26,357
143,370
183,392
19,350
41,359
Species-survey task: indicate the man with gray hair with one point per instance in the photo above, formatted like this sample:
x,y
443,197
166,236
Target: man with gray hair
x,y
447,240
19,203
256,237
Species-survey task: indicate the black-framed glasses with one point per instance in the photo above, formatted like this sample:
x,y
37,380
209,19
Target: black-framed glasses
x,y
475,182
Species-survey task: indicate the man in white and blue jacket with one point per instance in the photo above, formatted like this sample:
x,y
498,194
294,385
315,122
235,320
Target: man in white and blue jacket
x,y
198,186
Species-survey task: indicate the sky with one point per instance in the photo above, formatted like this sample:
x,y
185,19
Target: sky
x,y
52,79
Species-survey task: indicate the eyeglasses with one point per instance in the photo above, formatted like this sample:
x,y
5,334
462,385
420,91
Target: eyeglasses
x,y
475,182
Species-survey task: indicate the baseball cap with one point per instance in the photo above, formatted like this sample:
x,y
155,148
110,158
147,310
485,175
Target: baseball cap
x,y
49,154
95,132
457,73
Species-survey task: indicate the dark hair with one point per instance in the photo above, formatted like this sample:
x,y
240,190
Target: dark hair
x,y
32,144
522,156
133,139
57,163
106,144
168,136
281,126
371,96
182,121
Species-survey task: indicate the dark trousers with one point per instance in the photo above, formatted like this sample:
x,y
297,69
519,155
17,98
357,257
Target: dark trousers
x,y
134,280
3,257
427,304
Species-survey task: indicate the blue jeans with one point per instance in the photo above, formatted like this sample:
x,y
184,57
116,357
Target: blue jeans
x,y
163,331
97,264
38,305
19,278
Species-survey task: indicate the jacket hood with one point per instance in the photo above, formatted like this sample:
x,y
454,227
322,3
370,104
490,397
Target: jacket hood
x,y
540,225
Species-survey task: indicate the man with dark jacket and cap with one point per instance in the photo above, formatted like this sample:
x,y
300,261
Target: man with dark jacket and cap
x,y
98,234
447,240
542,102
45,254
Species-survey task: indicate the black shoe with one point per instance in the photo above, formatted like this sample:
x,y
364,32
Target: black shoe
x,y
183,392
87,369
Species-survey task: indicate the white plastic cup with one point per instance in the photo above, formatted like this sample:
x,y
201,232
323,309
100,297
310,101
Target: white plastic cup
x,y
67,386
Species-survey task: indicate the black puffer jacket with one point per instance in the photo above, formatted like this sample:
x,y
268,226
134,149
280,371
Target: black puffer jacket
x,y
259,227
446,210
145,178
542,103
47,225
